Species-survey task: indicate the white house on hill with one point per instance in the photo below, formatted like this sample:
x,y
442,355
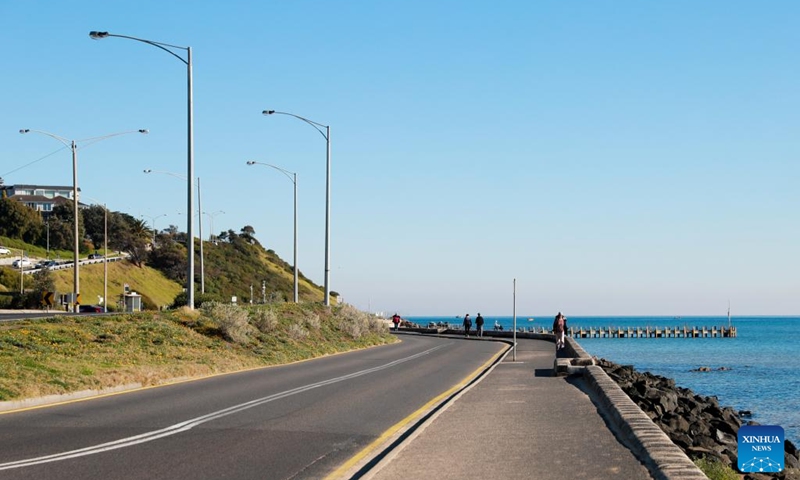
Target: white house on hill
x,y
42,198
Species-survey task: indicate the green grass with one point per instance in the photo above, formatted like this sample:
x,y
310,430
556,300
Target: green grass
x,y
67,354
716,470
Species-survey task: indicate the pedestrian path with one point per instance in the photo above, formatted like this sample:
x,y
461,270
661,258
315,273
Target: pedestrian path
x,y
517,422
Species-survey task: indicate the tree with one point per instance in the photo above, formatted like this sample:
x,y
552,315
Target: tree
x,y
61,227
169,257
248,234
19,221
43,281
135,240
94,222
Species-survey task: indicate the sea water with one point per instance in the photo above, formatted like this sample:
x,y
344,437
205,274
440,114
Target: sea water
x,y
759,370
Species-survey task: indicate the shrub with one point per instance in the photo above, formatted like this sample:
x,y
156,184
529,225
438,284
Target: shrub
x,y
231,318
266,321
312,321
297,332
356,323
181,299
716,470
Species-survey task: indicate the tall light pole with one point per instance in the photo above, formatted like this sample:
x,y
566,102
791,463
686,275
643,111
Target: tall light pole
x,y
73,145
105,256
190,240
211,216
153,223
190,147
327,135
293,177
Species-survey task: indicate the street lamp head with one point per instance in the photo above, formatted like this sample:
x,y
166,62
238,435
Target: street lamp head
x,y
97,35
268,112
144,130
147,170
24,130
249,162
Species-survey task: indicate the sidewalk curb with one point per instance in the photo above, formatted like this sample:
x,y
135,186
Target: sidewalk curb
x,y
664,459
368,468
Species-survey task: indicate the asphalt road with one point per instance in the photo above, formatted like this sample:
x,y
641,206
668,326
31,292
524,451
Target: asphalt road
x,y
290,422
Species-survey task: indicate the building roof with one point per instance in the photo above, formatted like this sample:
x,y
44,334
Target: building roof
x,y
34,186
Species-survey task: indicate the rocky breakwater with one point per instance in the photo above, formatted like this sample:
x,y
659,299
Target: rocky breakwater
x,y
696,424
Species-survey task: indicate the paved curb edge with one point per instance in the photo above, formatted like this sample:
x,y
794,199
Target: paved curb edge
x,y
391,448
664,459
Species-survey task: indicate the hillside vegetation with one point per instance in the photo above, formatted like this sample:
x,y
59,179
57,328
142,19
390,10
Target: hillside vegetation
x,y
72,353
230,267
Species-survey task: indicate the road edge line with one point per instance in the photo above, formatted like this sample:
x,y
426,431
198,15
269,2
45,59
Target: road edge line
x,y
395,438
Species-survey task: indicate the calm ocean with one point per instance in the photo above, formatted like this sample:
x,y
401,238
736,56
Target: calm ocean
x,y
764,360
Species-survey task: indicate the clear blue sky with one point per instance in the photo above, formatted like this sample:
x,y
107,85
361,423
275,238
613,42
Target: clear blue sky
x,y
615,157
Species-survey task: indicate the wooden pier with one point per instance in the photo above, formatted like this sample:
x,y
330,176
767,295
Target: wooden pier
x,y
653,332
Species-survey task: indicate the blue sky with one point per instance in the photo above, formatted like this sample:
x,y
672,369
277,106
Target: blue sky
x,y
615,157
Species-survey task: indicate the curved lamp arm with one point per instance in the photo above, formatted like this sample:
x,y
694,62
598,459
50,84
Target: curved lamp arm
x,y
163,46
290,175
69,143
314,124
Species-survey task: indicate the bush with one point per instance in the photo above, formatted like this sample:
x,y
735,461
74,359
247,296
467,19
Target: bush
x,y
297,332
716,470
357,323
199,299
231,318
265,320
9,278
312,321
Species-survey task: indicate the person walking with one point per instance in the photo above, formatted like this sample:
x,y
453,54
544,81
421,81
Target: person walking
x,y
559,329
396,321
479,325
467,325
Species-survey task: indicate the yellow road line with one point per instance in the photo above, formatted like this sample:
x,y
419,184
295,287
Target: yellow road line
x,y
358,457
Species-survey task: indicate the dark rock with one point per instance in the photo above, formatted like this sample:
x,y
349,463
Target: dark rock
x,y
678,424
722,425
725,438
791,461
789,447
696,424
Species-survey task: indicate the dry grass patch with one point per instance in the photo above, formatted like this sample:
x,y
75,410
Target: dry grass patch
x,y
72,353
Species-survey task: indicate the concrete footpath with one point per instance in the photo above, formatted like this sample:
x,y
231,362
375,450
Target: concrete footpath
x,y
519,421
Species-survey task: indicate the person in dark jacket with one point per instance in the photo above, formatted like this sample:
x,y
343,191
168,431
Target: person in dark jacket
x,y
467,325
479,325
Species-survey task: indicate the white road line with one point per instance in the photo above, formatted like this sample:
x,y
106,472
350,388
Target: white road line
x,y
189,424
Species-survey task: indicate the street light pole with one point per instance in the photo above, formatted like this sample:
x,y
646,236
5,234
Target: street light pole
x,y
327,135
200,221
73,145
105,258
153,224
293,178
96,35
211,216
105,255
200,226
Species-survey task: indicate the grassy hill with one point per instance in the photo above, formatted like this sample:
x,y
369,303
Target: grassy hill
x,y
231,268
157,290
70,353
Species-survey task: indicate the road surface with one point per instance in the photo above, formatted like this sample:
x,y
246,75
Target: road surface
x,y
291,422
